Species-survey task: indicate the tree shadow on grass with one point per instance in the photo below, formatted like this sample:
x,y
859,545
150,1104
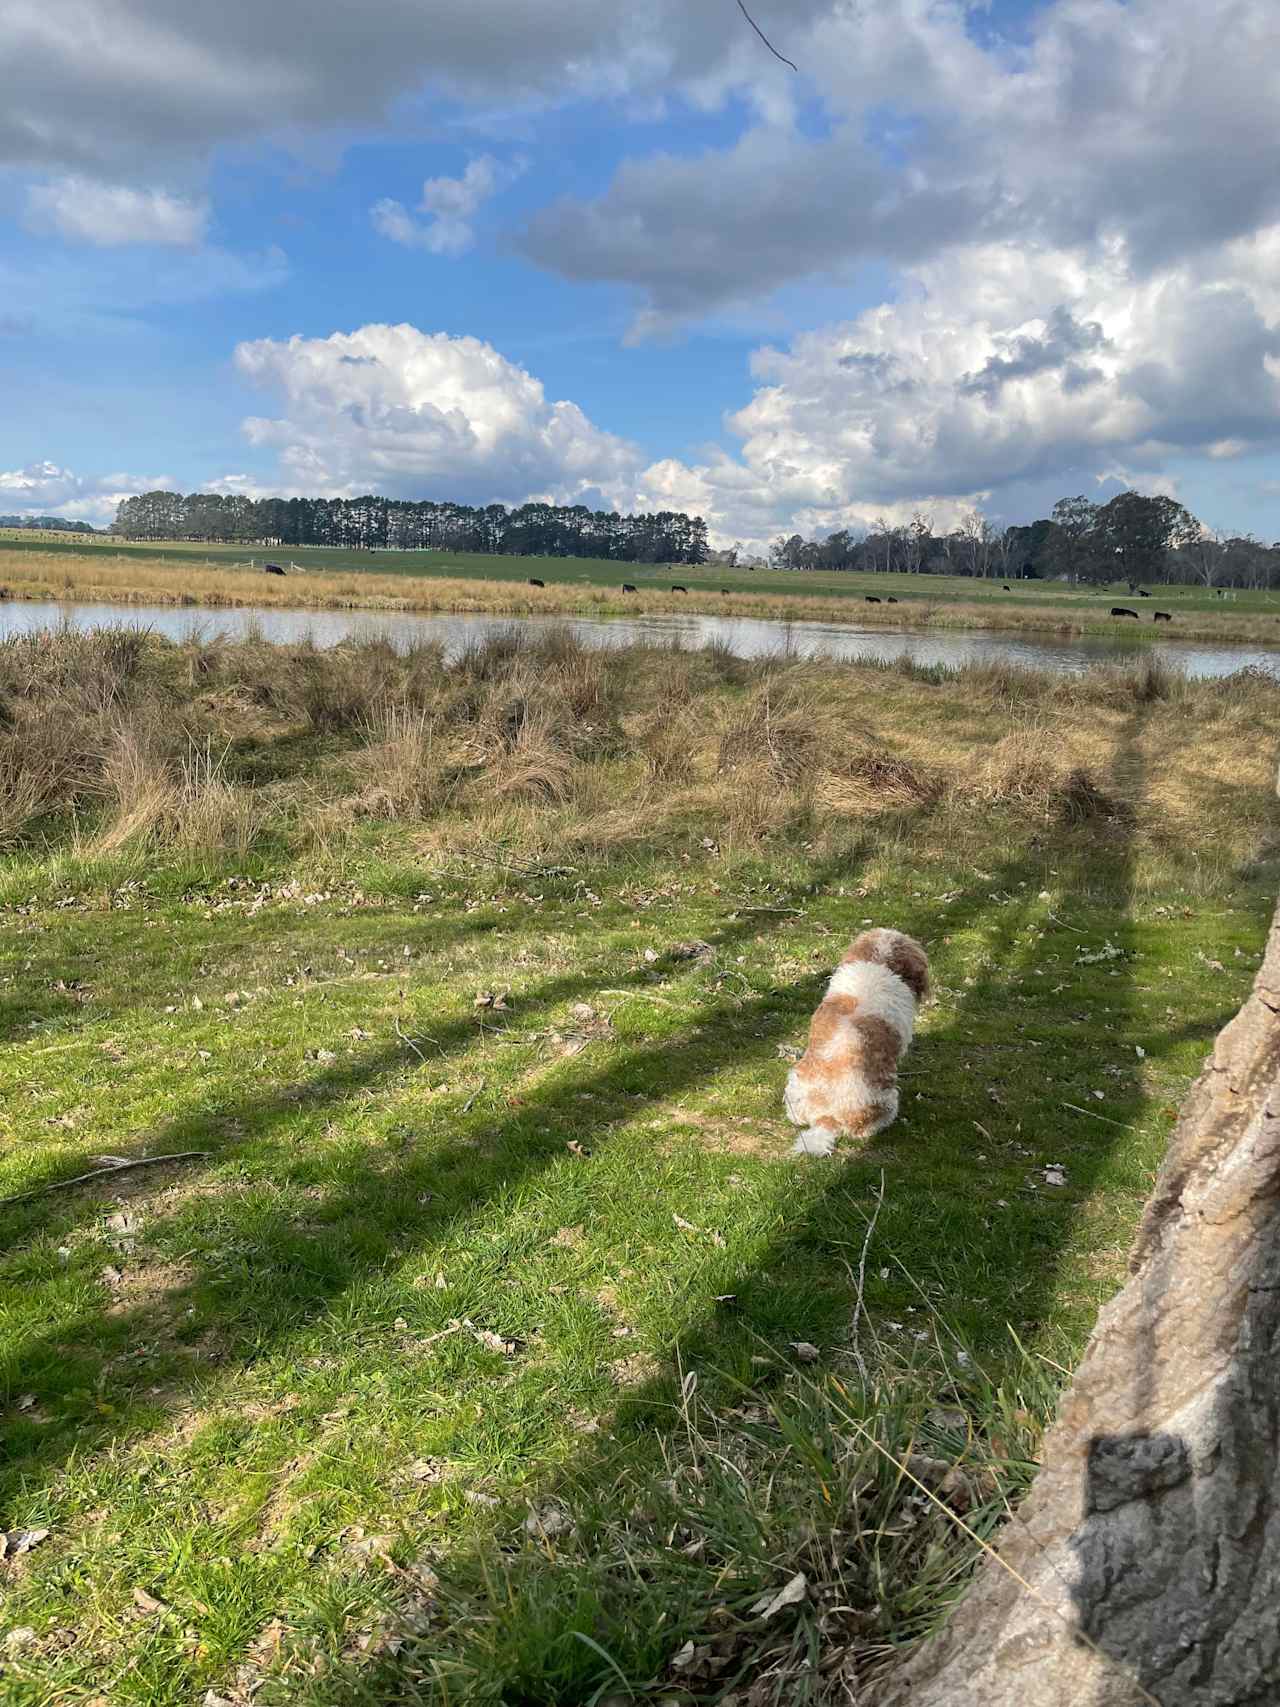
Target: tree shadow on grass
x,y
980,1264
251,1294
66,974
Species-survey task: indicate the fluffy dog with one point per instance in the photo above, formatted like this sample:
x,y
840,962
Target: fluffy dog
x,y
847,1079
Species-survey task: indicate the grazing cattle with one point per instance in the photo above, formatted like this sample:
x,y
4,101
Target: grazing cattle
x,y
725,591
872,599
1143,593
679,589
1004,588
1119,610
627,587
891,601
1161,616
534,582
272,569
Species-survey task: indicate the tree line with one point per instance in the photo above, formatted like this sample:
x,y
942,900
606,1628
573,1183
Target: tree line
x,y
1132,538
371,523
48,524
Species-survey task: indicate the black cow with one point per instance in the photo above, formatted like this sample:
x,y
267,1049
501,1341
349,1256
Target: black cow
x,y
1219,592
872,599
1161,616
534,582
679,589
1143,593
627,587
1119,610
891,601
725,591
1005,589
272,569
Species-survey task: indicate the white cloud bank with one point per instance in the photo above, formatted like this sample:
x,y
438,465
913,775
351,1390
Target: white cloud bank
x,y
46,489
924,403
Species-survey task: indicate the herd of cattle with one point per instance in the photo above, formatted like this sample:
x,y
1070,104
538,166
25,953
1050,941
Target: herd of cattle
x,y
871,598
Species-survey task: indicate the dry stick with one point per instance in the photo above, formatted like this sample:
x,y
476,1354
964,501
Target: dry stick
x,y
860,1308
466,1107
1123,1125
1004,1564
764,38
99,1173
410,1042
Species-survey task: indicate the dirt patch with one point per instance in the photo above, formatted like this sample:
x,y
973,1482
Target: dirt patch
x,y
143,1285
735,1135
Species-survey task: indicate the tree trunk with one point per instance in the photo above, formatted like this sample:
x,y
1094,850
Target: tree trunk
x,y
1150,1540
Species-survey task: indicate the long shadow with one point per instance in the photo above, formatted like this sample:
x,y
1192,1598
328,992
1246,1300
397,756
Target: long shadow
x,y
286,1280
720,1341
152,968
384,1210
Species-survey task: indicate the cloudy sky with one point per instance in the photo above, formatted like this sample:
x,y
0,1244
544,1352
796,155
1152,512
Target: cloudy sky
x,y
963,255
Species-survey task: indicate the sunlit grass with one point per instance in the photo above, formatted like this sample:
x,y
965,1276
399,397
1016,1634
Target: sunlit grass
x,y
493,1347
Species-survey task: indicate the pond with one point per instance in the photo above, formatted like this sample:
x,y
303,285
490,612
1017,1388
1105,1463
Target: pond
x,y
748,637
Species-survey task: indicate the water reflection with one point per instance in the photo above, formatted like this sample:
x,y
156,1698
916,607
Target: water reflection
x,y
748,637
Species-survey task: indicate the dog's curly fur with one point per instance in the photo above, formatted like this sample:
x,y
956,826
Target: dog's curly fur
x,y
847,1079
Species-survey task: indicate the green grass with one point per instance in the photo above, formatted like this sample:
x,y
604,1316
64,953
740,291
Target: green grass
x,y
462,1363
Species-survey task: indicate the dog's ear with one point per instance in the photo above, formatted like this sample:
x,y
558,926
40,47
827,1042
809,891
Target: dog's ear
x,y
864,947
911,963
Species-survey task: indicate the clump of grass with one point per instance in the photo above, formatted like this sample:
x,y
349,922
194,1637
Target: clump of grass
x,y
338,688
1021,770
402,762
668,1581
872,773
187,803
774,735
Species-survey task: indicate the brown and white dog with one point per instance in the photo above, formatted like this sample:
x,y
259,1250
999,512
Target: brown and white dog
x,y
847,1079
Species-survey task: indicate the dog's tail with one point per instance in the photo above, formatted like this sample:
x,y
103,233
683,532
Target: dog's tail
x,y
817,1140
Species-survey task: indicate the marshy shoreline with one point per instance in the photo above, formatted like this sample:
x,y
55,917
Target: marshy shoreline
x,y
184,582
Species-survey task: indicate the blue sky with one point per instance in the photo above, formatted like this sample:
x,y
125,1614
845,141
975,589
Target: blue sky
x,y
965,258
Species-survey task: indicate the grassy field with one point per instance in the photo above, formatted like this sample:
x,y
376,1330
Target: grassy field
x,y
486,1343
100,569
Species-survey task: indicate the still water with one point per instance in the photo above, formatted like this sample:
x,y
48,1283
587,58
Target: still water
x,y
748,637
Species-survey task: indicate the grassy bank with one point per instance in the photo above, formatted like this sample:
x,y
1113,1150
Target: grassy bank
x,y
490,1345
211,576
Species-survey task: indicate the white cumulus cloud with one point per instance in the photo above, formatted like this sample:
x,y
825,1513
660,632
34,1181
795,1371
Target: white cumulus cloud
x,y
110,215
46,488
450,204
396,410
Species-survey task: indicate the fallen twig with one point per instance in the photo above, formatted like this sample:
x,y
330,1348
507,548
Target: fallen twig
x,y
100,1173
1122,1124
860,1307
412,1045
466,1107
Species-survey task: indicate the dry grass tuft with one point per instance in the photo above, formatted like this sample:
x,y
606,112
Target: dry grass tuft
x,y
154,799
1021,771
774,733
403,762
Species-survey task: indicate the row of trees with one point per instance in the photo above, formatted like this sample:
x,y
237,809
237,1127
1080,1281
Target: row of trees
x,y
1131,538
538,529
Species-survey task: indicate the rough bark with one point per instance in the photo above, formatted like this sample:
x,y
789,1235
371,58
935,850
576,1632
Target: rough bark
x,y
1151,1537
